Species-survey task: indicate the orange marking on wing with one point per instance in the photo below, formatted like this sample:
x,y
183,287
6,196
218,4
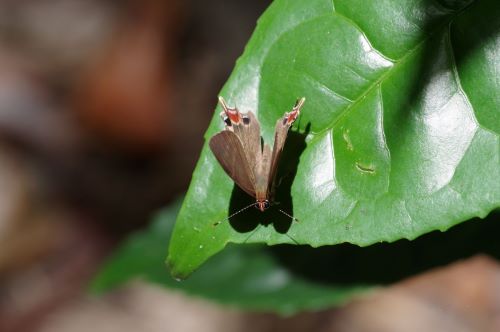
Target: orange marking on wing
x,y
233,115
292,116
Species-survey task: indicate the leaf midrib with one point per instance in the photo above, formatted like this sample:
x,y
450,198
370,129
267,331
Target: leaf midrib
x,y
397,63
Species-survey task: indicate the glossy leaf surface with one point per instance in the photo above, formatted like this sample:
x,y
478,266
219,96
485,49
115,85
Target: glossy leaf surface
x,y
399,135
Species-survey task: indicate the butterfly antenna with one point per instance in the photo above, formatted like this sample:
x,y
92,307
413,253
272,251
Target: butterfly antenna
x,y
288,215
232,215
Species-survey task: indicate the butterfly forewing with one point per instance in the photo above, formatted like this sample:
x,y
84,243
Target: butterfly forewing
x,y
228,150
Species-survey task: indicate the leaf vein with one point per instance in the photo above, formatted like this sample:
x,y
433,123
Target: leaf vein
x,y
325,88
385,75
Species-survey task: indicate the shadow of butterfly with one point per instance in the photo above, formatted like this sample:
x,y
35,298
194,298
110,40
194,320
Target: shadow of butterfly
x,y
251,164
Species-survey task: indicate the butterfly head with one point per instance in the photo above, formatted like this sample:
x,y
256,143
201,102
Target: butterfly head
x,y
262,205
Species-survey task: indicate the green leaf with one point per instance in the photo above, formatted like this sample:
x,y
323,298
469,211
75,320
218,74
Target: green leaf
x,y
399,135
251,276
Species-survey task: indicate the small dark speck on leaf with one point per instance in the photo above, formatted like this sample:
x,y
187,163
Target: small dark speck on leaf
x,y
365,169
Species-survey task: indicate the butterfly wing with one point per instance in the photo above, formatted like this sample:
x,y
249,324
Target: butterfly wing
x,y
228,149
248,131
259,158
262,174
247,128
280,134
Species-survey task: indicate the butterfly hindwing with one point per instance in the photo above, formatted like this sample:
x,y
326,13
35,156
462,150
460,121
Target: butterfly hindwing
x,y
228,149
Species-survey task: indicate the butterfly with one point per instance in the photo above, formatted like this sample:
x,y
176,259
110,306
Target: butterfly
x,y
240,151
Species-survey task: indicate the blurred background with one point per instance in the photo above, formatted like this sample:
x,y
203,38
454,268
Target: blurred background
x,y
103,107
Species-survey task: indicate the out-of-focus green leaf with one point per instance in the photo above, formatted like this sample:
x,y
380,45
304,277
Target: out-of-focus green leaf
x,y
399,135
249,277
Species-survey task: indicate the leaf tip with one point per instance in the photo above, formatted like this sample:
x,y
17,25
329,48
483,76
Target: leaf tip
x,y
176,273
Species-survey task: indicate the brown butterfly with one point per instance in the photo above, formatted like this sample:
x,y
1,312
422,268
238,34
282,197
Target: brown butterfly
x,y
239,149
